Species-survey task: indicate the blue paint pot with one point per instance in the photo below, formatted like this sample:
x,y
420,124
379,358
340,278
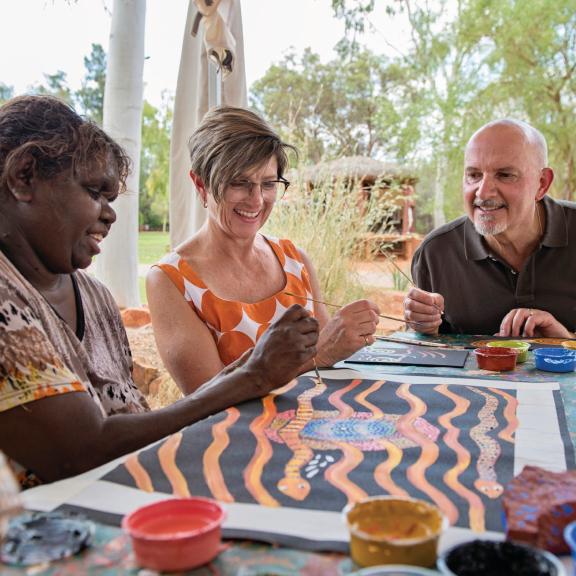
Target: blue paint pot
x,y
555,359
570,537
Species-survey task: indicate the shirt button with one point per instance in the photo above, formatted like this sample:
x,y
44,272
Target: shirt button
x,y
494,259
513,271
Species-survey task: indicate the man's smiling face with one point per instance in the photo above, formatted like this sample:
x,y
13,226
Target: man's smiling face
x,y
501,180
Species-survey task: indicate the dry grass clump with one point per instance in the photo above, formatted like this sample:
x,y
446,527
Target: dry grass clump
x,y
328,222
167,395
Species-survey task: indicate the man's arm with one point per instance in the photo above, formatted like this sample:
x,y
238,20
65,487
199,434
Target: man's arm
x,y
63,435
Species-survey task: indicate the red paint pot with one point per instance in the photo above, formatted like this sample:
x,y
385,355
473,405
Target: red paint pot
x,y
497,359
175,535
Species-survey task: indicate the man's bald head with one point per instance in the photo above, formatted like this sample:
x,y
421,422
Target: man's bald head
x,y
533,137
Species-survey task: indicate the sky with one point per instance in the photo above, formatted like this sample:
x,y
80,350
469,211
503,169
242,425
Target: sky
x,y
44,36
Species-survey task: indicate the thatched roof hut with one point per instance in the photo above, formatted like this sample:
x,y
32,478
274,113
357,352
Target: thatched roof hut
x,y
362,168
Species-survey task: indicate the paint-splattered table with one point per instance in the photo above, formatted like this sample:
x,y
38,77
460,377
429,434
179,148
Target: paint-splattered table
x,y
525,372
111,554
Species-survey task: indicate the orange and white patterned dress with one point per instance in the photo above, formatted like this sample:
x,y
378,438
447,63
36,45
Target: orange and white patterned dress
x,y
236,326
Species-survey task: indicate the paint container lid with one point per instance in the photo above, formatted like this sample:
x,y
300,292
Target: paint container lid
x,y
395,570
45,537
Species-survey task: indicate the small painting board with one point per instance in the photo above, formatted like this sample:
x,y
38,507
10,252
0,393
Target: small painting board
x,y
406,355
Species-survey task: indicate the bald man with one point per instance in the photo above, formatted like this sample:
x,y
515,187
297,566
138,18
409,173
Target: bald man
x,y
509,266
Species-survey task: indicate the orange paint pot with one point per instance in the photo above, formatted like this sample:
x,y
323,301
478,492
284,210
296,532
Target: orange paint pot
x,y
177,534
394,530
496,359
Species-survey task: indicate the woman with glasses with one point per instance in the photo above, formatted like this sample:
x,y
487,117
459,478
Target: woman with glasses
x,y
213,297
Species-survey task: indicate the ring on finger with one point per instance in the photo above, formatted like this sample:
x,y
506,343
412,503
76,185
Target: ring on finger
x,y
531,311
366,339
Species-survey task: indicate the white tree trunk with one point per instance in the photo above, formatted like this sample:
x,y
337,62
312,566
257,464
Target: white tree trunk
x,y
117,265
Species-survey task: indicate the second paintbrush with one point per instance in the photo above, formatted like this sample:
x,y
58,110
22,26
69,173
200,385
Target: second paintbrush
x,y
340,306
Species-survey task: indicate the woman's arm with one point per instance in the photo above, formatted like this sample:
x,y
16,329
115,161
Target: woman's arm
x,y
349,330
65,434
185,344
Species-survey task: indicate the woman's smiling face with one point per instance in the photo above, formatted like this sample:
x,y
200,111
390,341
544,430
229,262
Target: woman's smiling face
x,y
69,216
244,219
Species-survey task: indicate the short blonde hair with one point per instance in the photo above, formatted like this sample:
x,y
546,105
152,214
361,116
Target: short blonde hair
x,y
231,142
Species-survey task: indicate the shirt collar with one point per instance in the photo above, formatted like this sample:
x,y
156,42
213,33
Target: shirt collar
x,y
555,233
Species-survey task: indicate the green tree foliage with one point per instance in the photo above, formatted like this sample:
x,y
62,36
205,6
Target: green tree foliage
x,y
535,57
57,85
155,163
472,61
91,96
6,92
350,107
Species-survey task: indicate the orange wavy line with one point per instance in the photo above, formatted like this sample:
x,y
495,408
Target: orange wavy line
x,y
141,477
361,399
417,472
337,474
253,472
510,415
382,472
211,460
335,399
167,457
476,509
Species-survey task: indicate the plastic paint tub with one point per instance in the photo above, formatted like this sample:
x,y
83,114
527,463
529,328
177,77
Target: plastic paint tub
x,y
570,537
490,559
555,359
569,345
496,359
177,534
393,530
394,570
516,345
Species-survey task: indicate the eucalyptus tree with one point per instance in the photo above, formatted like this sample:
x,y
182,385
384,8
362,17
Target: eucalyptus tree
x,y
347,106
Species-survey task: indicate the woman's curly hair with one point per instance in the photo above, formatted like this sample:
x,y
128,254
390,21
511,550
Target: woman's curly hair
x,y
56,137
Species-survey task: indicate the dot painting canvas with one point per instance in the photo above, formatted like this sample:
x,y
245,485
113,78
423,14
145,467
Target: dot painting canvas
x,y
286,465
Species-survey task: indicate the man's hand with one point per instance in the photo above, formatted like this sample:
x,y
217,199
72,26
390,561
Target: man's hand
x,y
284,348
532,323
349,330
423,307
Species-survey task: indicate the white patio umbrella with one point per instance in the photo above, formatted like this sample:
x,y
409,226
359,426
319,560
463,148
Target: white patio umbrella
x,y
217,25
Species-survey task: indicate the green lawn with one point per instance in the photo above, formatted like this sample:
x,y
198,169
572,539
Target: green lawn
x,y
142,286
152,246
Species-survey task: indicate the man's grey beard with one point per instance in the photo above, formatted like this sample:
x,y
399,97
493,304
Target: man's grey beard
x,y
485,226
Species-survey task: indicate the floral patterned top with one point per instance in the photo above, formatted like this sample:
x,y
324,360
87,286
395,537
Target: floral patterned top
x,y
41,356
237,326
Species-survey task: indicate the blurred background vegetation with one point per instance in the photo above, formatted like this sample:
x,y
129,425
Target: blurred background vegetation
x,y
467,62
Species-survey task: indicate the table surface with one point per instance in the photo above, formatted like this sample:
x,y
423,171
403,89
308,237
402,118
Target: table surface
x,y
111,552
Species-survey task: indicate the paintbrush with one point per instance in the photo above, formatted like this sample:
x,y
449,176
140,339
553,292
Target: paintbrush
x,y
410,341
403,274
317,372
339,306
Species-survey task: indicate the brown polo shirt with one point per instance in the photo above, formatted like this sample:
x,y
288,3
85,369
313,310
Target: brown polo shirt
x,y
480,287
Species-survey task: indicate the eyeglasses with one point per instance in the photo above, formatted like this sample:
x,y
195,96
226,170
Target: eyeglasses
x,y
241,190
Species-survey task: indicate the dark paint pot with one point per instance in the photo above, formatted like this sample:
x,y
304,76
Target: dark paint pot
x,y
484,557
177,534
496,359
555,359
